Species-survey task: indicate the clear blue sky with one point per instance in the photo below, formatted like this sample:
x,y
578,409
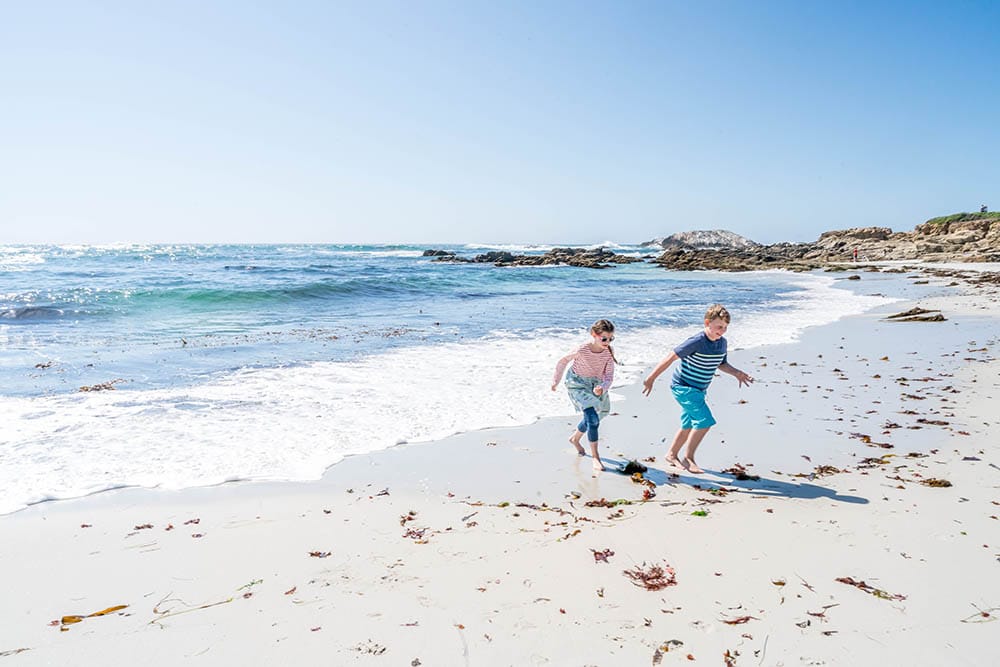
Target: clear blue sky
x,y
464,121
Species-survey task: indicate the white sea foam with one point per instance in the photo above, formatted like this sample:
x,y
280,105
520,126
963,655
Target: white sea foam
x,y
545,247
376,253
372,253
78,249
511,247
619,248
293,422
14,258
358,252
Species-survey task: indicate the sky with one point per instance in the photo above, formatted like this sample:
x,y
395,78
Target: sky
x,y
491,122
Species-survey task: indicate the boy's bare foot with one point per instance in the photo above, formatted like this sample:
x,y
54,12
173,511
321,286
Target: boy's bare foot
x,y
692,467
598,465
575,441
673,461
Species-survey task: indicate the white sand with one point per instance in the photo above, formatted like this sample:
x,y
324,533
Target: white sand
x,y
481,582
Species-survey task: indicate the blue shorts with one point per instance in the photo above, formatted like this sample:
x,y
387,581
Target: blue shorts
x,y
694,410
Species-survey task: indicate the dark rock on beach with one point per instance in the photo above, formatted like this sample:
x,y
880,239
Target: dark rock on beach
x,y
596,258
780,256
918,315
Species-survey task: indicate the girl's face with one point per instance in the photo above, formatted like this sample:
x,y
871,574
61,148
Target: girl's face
x,y
603,338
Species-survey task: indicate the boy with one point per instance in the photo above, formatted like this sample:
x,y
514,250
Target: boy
x,y
701,355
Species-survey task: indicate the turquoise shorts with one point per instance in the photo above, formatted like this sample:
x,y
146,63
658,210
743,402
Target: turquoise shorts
x,y
694,410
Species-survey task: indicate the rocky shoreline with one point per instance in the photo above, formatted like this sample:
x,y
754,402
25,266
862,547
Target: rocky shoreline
x,y
963,237
591,258
959,238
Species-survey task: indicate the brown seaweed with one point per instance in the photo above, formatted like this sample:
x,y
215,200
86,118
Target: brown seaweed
x,y
653,577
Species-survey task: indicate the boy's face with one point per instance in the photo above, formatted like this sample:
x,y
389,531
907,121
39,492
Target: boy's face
x,y
716,329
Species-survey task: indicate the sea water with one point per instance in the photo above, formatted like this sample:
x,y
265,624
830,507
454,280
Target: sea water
x,y
253,362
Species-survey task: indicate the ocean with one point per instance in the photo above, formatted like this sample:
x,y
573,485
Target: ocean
x,y
274,362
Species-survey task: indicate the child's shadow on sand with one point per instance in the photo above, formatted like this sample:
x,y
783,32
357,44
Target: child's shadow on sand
x,y
765,486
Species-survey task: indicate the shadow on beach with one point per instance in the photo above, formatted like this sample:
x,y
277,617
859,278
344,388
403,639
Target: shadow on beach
x,y
765,486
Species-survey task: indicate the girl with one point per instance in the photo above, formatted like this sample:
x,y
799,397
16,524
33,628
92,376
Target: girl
x,y
588,382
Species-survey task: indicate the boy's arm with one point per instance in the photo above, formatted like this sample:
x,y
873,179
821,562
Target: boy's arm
x,y
647,384
742,377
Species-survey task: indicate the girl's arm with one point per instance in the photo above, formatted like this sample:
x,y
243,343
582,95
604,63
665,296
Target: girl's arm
x,y
647,385
561,368
740,376
609,376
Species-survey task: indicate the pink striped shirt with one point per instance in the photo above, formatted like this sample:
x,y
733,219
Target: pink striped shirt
x,y
589,364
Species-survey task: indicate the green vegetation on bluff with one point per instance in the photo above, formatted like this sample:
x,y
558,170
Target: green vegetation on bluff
x,y
963,217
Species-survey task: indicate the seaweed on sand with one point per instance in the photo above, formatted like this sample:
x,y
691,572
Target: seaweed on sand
x,y
633,466
877,592
653,577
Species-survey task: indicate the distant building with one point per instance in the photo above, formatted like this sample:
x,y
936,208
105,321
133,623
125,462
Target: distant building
x,y
982,209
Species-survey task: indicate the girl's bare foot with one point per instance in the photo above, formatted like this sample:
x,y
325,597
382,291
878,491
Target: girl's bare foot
x,y
673,461
575,441
598,465
692,467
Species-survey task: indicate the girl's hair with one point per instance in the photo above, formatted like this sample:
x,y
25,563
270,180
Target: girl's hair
x,y
605,326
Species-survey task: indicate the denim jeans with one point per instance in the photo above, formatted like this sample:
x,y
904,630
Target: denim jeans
x,y
589,424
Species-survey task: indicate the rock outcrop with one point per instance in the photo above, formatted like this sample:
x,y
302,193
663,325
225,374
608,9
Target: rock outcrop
x,y
779,256
970,237
964,237
591,258
713,239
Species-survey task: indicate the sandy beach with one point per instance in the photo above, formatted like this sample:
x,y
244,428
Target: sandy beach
x,y
500,547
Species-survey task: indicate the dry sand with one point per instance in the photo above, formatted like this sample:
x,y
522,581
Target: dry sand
x,y
480,549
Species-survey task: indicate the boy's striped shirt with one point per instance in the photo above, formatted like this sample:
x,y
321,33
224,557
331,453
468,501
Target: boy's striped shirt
x,y
700,358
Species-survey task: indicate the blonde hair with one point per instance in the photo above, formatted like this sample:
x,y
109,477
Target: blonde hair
x,y
605,326
717,311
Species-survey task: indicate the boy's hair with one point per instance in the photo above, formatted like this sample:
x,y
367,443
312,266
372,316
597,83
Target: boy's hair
x,y
717,311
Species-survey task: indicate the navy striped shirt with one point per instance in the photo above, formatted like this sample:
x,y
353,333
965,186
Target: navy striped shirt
x,y
700,357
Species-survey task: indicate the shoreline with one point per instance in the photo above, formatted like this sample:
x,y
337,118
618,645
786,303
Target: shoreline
x,y
457,445
497,557
325,411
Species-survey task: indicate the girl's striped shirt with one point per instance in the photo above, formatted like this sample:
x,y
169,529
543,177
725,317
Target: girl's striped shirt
x,y
700,358
589,364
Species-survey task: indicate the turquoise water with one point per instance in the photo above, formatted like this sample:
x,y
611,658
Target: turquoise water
x,y
167,315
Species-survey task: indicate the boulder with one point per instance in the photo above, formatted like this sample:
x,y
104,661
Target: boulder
x,y
715,239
